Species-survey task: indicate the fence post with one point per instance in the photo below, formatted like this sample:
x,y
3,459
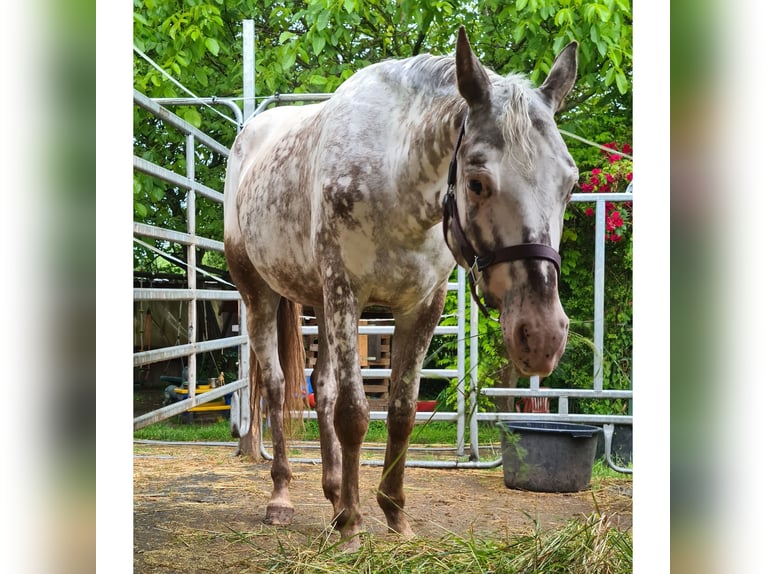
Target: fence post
x,y
248,70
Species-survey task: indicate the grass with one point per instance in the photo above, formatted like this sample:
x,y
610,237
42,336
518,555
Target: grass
x,y
424,434
584,545
432,433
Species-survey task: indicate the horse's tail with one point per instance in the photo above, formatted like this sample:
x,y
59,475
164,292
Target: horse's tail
x,y
292,359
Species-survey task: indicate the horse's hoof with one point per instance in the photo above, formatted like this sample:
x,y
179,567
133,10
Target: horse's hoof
x,y
350,544
279,515
402,530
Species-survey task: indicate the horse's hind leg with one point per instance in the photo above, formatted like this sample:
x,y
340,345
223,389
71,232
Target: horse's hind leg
x,y
414,331
326,392
262,330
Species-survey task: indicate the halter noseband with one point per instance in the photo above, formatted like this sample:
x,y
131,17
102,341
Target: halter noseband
x,y
481,262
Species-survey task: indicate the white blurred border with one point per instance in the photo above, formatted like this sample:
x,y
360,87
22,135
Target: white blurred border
x,y
651,412
742,121
25,297
115,280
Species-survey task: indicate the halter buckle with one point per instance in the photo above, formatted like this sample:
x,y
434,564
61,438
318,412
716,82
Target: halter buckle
x,y
474,270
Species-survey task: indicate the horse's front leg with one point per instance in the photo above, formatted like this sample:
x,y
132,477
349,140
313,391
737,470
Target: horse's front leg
x,y
414,331
326,392
352,414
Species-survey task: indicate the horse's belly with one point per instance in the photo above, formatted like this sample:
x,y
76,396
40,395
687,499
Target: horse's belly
x,y
399,276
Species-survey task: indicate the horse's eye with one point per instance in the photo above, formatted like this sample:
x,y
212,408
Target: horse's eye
x,y
475,186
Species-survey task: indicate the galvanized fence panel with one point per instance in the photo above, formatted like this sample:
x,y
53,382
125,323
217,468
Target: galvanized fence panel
x,y
191,240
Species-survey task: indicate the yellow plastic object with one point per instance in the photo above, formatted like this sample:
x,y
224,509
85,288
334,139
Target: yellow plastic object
x,y
216,405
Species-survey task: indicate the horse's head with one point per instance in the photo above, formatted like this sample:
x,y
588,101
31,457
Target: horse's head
x,y
514,180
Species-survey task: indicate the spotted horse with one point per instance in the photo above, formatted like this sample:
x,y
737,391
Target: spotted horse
x,y
370,198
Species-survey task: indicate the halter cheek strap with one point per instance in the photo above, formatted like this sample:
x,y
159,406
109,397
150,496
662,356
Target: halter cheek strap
x,y
478,263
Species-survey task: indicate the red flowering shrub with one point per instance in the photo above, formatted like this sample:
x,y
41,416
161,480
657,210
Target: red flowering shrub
x,y
613,175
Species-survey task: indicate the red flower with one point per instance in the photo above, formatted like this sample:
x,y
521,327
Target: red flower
x,y
594,179
609,178
589,211
614,221
587,187
614,157
629,177
614,237
627,149
595,171
604,187
611,145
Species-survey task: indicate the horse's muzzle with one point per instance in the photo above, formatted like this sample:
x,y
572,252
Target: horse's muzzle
x,y
535,338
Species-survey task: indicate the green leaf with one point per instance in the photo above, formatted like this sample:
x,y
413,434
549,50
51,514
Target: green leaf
x,y
317,43
518,31
624,6
563,16
521,4
193,117
212,45
140,209
622,82
594,34
156,194
201,75
323,20
288,60
616,57
318,80
285,36
558,44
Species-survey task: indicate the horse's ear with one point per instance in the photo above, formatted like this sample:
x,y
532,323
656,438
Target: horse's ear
x,y
472,79
561,78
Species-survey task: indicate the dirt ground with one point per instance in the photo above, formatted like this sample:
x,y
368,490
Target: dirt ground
x,y
200,509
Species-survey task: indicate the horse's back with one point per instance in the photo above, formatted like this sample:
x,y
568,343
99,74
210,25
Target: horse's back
x,y
345,184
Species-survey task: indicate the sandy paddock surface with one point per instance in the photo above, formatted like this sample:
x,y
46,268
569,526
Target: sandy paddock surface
x,y
200,509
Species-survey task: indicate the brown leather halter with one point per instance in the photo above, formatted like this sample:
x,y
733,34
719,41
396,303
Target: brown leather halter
x,y
479,263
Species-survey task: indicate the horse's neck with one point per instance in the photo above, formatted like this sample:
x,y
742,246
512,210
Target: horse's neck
x,y
429,150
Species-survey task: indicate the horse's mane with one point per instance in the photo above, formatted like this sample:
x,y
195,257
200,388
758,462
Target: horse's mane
x,y
437,73
516,120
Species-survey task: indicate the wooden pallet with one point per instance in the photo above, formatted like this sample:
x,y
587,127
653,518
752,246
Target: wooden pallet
x,y
374,352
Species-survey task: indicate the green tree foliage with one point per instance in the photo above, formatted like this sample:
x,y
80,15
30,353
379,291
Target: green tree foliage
x,y
314,45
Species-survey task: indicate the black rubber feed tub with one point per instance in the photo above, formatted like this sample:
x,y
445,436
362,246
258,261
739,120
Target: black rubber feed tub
x,y
547,456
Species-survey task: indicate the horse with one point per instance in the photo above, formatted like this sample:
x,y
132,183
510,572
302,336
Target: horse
x,y
370,198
